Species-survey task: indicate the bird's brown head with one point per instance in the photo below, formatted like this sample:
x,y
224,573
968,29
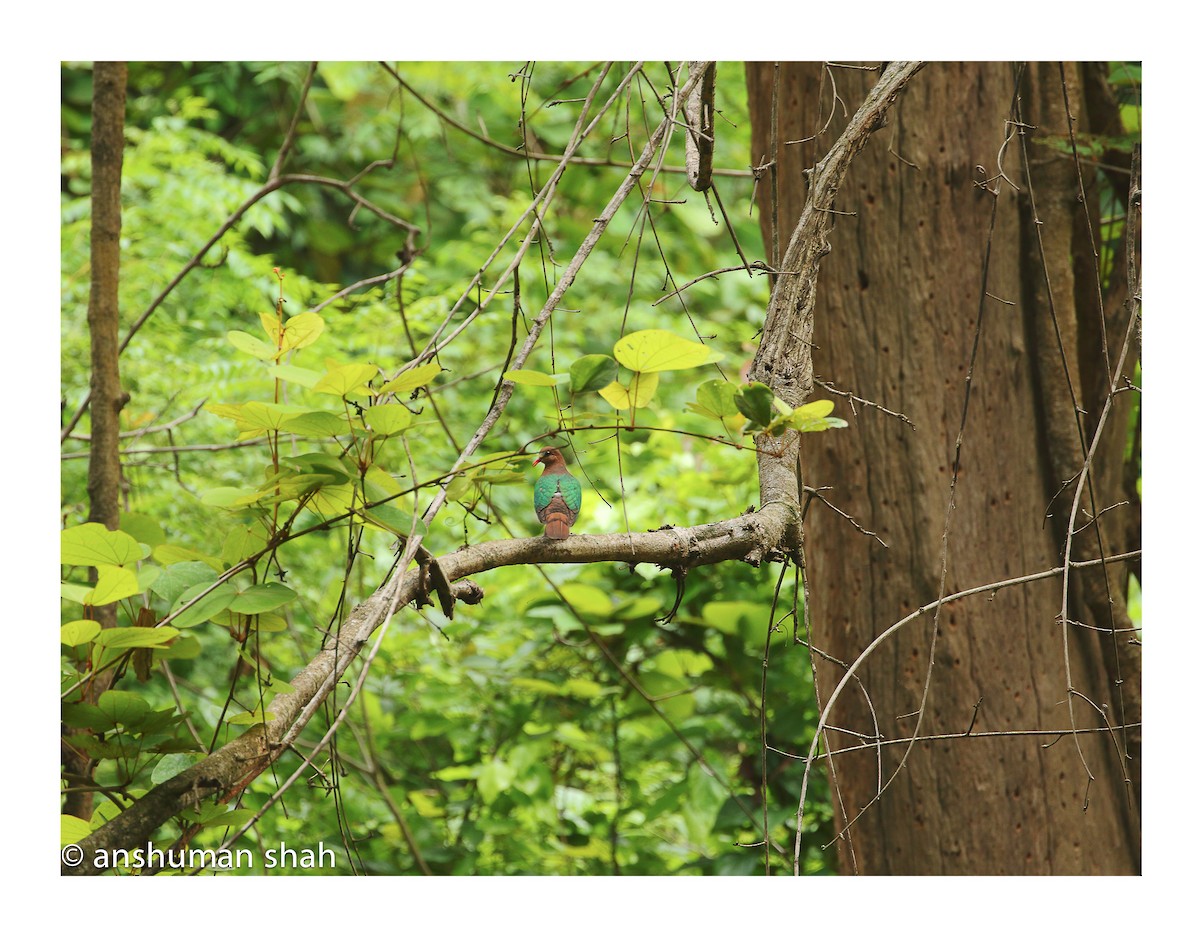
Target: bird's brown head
x,y
550,457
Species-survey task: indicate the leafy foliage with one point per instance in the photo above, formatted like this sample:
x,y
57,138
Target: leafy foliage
x,y
555,728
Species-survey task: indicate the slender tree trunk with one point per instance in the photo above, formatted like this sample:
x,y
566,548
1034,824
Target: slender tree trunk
x,y
901,312
104,465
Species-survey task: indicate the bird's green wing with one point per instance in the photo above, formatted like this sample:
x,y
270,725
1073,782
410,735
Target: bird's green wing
x,y
546,486
572,492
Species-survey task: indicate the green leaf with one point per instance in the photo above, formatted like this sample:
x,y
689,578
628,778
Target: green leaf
x,y
425,804
456,773
725,616
586,598
412,379
542,686
346,379
121,638
92,544
392,520
637,395
705,798
583,688
272,326
656,349
248,344
170,766
381,485
184,647
207,608
716,399
319,462
242,542
171,554
127,708
72,829
82,715
258,418
301,376
811,411
592,372
823,424
531,378
142,528
388,419
319,424
112,583
294,485
236,817
754,401
147,573
494,778
74,592
255,418
263,597
251,623
74,633
333,500
300,331
681,663
248,718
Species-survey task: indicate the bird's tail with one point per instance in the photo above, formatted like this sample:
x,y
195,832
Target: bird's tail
x,y
558,526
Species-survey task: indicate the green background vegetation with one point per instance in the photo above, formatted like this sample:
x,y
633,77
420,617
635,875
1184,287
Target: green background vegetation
x,y
555,727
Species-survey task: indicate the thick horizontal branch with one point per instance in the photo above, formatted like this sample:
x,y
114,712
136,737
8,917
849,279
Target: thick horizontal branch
x,y
225,773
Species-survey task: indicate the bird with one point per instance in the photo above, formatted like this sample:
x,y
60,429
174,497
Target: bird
x,y
556,495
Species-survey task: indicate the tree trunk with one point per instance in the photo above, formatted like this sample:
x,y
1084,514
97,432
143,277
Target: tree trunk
x,y
900,298
104,463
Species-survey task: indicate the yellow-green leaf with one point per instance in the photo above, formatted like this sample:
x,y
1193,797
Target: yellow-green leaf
x,y
319,424
388,419
300,331
586,598
92,544
656,349
74,633
270,324
247,718
301,376
412,379
812,410
112,583
530,377
637,395
243,541
73,592
260,417
135,637
248,344
72,829
166,554
346,379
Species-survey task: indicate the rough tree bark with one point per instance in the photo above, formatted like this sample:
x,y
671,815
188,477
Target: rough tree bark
x,y
895,322
104,464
